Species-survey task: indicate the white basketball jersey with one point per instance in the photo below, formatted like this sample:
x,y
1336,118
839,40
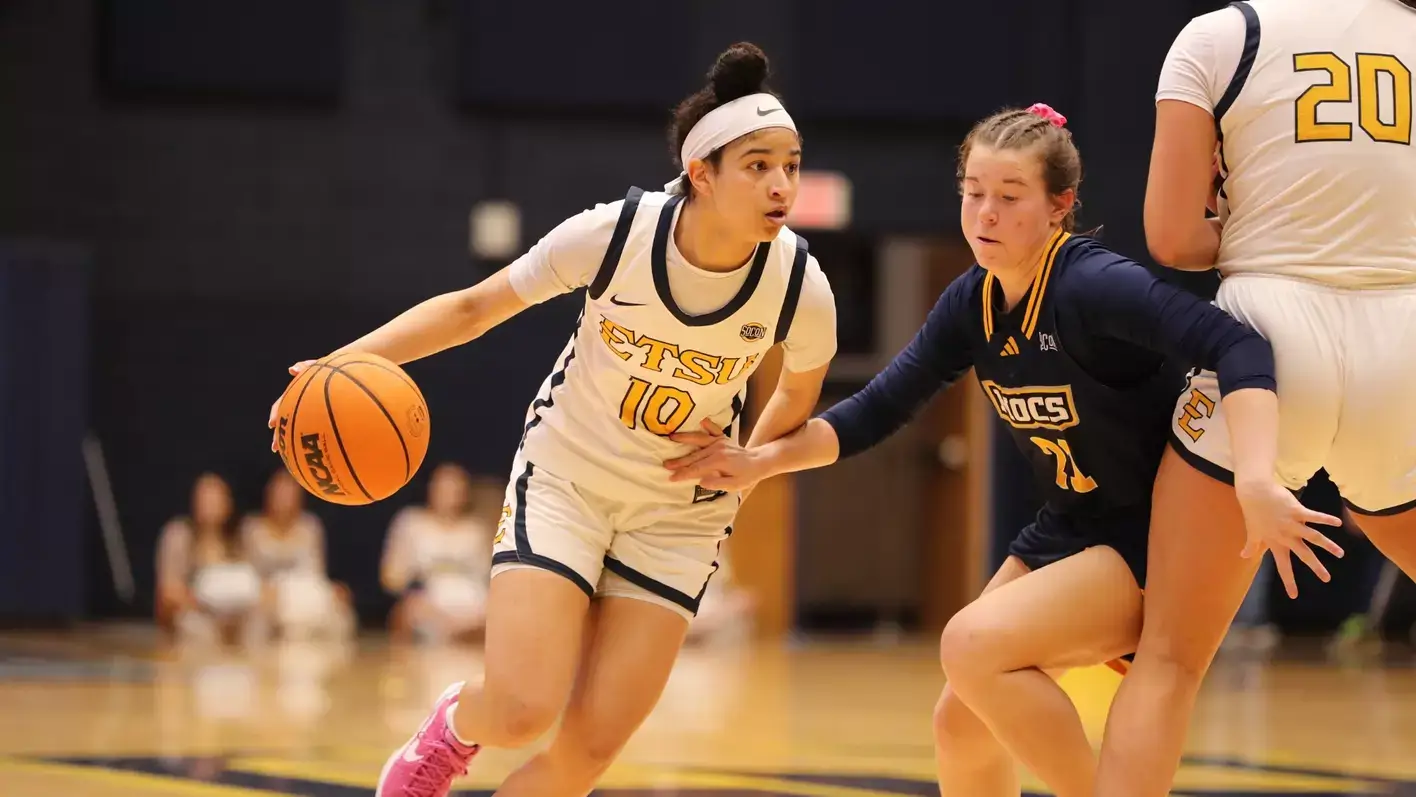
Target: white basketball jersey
x,y
1316,135
639,368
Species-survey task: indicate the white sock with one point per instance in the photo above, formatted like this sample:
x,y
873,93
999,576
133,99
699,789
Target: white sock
x,y
452,729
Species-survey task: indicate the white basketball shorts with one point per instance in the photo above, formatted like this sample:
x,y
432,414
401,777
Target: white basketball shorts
x,y
657,552
1346,367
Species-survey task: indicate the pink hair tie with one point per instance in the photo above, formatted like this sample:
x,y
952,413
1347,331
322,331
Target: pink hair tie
x,y
1046,112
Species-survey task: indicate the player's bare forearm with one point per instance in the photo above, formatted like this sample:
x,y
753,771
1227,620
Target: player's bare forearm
x,y
1251,415
790,405
813,445
1197,247
442,322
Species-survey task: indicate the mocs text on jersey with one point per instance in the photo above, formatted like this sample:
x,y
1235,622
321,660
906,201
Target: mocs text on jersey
x,y
1034,407
662,356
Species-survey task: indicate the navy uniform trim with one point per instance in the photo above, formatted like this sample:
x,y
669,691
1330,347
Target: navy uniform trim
x,y
1034,294
668,593
1252,33
523,553
1388,512
659,264
610,263
793,295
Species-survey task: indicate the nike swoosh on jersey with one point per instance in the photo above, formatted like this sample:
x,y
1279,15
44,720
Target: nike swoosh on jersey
x,y
616,300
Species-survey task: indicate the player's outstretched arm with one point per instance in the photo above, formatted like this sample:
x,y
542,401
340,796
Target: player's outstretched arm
x,y
937,356
444,321
441,322
1121,299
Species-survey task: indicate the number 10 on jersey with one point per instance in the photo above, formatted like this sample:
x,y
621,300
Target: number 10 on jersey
x,y
661,409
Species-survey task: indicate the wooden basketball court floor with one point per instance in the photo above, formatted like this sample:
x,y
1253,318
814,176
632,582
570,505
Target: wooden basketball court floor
x,y
106,714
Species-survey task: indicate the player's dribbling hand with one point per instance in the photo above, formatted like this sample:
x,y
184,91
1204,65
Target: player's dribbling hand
x,y
717,463
295,370
1276,521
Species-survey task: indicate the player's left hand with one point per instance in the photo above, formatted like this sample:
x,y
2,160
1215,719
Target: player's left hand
x,y
1275,520
717,463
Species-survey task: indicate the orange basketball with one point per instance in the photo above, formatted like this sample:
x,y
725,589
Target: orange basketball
x,y
353,428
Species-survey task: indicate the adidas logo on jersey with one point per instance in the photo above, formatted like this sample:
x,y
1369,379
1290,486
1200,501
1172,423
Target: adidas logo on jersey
x,y
1010,348
1033,407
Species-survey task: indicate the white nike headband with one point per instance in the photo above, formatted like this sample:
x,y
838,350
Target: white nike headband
x,y
727,123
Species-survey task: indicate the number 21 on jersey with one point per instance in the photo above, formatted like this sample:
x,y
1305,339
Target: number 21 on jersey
x,y
1385,121
1062,453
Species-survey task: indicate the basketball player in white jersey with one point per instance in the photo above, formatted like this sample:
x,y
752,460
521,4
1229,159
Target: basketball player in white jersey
x,y
687,290
1310,105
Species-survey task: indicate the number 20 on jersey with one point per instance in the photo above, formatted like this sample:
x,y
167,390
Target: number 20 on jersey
x,y
1384,121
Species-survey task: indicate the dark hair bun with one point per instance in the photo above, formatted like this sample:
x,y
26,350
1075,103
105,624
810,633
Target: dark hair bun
x,y
741,70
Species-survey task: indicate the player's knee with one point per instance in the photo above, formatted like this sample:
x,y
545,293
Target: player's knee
x,y
959,735
519,714
966,644
1181,664
590,753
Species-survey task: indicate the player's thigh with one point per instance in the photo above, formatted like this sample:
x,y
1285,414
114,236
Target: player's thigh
x,y
667,554
957,729
626,664
1195,579
548,552
1373,461
1394,535
1082,610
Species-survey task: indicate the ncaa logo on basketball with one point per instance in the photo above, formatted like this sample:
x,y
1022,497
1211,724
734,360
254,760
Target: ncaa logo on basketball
x,y
1033,407
316,466
753,332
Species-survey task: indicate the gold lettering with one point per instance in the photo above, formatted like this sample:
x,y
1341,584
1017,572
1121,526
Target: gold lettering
x,y
654,361
1199,406
702,368
613,333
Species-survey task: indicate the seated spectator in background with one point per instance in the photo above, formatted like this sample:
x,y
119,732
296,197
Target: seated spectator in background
x,y
207,589
726,610
286,544
438,559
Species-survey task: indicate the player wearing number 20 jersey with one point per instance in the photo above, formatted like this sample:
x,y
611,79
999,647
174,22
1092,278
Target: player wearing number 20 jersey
x,y
1312,103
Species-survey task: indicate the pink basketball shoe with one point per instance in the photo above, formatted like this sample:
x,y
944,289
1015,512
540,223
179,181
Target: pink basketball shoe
x,y
429,763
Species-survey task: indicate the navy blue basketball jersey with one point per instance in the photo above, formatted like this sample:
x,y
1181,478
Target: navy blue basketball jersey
x,y
1094,447
1083,371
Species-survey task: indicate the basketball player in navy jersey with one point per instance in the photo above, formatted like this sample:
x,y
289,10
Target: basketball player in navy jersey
x,y
601,560
1082,353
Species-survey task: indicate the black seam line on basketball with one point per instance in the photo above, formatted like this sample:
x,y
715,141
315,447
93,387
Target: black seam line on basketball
x,y
387,370
294,452
339,440
408,462
315,367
